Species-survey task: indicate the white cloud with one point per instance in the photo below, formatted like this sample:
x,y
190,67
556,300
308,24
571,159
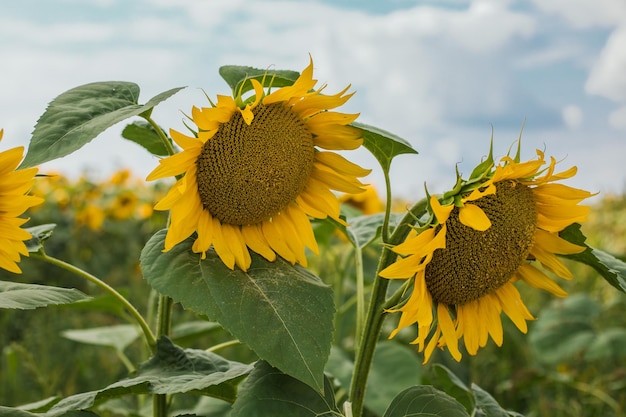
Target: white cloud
x,y
586,13
572,116
617,118
608,75
424,73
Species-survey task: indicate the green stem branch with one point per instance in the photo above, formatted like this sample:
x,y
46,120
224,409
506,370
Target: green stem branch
x,y
376,311
166,142
150,339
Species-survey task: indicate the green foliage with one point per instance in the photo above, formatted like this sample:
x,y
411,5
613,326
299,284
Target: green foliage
x,y
609,267
143,134
77,116
267,392
238,77
30,296
282,312
425,401
383,145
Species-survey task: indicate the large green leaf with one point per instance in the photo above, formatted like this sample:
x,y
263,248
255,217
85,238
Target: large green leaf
x,y
143,134
172,370
383,145
282,312
118,337
449,382
425,401
78,115
238,77
267,392
612,269
175,370
30,296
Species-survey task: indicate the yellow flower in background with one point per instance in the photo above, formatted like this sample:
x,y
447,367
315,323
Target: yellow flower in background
x,y
254,173
482,237
91,216
14,201
367,202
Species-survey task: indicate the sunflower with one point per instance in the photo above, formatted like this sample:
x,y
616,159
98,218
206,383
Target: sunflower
x,y
14,185
479,239
256,169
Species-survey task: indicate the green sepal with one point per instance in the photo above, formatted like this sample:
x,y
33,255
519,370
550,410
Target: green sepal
x,y
609,267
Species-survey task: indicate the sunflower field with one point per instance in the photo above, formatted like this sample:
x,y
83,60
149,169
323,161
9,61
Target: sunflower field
x,y
255,273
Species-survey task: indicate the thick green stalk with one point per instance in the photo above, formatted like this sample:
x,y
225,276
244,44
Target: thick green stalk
x,y
164,327
150,339
376,311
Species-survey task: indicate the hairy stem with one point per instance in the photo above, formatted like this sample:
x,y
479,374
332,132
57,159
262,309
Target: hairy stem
x,y
376,311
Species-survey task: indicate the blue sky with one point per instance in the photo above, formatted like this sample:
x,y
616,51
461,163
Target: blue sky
x,y
440,74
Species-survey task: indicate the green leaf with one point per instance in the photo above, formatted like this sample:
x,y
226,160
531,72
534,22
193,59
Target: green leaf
x,y
172,370
452,384
612,269
39,235
30,296
362,230
191,330
118,337
143,134
487,406
282,312
175,370
425,401
383,145
14,412
564,329
395,368
267,392
610,343
238,77
78,115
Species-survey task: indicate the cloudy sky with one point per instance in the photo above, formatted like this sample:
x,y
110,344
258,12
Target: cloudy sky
x,y
440,74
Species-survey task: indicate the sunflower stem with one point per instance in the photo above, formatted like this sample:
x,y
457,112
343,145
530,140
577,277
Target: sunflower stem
x,y
164,327
149,336
385,229
166,142
376,312
360,294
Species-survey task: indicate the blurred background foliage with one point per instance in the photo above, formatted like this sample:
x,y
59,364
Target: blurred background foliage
x,y
571,363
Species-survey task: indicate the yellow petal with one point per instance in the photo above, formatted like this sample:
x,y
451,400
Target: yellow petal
x,y
441,212
473,216
535,278
513,306
256,241
448,332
